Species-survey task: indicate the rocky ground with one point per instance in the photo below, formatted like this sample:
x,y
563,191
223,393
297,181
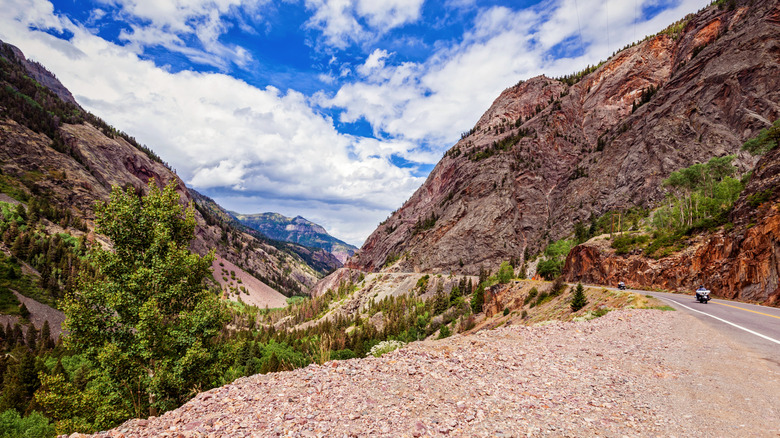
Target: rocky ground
x,y
629,373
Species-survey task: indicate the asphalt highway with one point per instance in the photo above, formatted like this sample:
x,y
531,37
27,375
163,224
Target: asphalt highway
x,y
756,327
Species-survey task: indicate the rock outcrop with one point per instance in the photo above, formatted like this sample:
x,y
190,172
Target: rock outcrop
x,y
741,263
550,153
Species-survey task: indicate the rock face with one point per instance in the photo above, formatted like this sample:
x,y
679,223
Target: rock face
x,y
548,154
297,230
87,162
743,263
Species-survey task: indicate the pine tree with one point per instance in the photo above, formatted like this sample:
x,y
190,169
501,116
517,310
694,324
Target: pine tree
x,y
578,299
32,337
46,340
23,312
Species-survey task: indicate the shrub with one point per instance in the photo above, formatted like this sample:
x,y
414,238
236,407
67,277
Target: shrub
x,y
531,295
34,425
506,311
624,243
444,332
385,347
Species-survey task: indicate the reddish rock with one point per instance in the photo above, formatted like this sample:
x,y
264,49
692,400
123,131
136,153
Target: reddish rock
x,y
586,152
743,263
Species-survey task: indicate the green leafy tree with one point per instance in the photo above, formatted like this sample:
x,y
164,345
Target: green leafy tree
x,y
505,273
578,299
143,316
35,425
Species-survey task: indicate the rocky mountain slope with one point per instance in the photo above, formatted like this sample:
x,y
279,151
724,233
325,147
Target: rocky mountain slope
x,y
550,153
741,263
53,150
298,230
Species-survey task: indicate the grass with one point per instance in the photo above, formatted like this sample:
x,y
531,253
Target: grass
x,y
11,277
9,304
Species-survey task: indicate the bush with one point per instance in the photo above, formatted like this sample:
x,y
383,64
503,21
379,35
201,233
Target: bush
x,y
342,354
444,332
34,425
624,243
385,347
531,295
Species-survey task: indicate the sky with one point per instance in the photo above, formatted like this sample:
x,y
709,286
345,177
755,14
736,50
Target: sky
x,y
334,110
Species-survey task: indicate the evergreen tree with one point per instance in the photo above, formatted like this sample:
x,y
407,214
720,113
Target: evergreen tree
x,y
32,337
46,340
578,299
23,312
478,298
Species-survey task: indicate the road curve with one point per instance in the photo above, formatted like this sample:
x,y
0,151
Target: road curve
x,y
755,327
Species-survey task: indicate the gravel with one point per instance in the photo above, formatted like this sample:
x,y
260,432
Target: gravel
x,y
629,373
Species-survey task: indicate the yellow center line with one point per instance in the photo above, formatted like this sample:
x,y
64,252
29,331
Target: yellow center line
x,y
747,310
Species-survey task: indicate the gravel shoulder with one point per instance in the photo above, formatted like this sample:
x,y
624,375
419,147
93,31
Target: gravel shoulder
x,y
629,373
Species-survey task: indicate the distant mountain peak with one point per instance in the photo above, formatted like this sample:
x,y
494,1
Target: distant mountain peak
x,y
298,230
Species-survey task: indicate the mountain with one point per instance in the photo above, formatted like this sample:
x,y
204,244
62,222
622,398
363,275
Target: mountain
x,y
739,262
59,158
298,230
552,153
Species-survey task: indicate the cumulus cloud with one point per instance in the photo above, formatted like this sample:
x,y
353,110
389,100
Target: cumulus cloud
x,y
431,102
344,22
266,149
171,24
220,132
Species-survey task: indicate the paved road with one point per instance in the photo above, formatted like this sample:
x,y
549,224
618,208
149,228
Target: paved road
x,y
756,327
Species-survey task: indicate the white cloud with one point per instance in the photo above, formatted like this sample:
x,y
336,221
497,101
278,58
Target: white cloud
x,y
169,23
217,131
344,22
433,101
271,146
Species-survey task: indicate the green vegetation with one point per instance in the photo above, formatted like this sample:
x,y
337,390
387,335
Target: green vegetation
x,y
505,273
625,242
578,299
35,425
142,317
504,144
31,104
555,256
765,141
425,223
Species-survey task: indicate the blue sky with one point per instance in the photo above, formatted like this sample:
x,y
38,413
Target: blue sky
x,y
335,110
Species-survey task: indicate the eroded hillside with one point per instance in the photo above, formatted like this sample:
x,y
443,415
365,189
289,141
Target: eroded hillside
x,y
551,153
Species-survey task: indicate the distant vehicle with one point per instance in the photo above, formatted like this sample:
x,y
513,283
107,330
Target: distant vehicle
x,y
702,295
622,286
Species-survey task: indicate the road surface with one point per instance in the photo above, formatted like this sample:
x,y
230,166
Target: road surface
x,y
756,327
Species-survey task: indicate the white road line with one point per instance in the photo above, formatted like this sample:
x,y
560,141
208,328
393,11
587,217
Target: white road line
x,y
723,320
